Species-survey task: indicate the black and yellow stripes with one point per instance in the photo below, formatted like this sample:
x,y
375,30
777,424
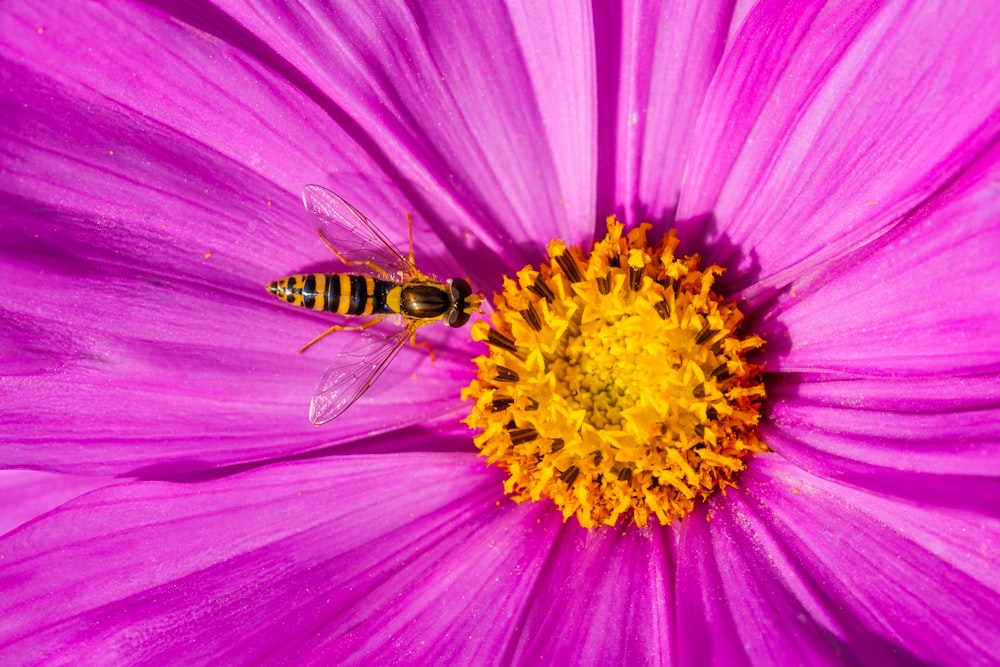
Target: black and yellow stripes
x,y
418,300
337,293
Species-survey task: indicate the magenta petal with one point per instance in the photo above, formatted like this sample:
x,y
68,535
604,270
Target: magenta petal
x,y
163,104
418,88
519,586
923,301
550,36
467,574
275,562
731,609
828,122
181,144
655,62
199,385
840,157
144,126
28,494
151,230
929,439
868,577
603,598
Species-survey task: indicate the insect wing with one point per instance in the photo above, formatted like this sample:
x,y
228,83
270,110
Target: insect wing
x,y
351,234
355,370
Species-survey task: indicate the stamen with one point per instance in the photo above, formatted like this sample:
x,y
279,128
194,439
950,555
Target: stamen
x,y
705,334
569,475
501,404
568,265
543,290
530,316
721,372
626,393
505,374
522,435
497,339
635,278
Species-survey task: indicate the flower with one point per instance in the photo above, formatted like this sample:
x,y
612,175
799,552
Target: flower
x,y
616,384
168,501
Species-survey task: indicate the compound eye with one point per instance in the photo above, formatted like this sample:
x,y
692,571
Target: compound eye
x,y
457,318
459,290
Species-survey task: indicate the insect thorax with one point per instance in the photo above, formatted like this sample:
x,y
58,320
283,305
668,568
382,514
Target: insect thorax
x,y
424,301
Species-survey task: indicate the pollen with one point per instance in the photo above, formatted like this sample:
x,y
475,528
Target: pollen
x,y
616,384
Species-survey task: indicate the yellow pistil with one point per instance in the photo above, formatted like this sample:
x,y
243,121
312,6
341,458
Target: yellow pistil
x,y
615,384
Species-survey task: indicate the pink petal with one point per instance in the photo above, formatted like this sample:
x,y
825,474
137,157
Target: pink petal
x,y
445,591
923,301
930,439
195,105
102,386
828,122
731,606
602,598
153,224
556,42
868,577
655,63
273,564
416,86
28,494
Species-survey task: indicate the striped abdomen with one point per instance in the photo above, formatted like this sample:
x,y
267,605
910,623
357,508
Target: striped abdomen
x,y
336,292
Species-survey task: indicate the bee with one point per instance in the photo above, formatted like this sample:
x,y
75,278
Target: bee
x,y
389,284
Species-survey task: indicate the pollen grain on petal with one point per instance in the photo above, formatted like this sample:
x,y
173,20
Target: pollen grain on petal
x,y
616,385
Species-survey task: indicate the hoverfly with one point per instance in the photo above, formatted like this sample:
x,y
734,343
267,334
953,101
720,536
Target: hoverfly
x,y
390,284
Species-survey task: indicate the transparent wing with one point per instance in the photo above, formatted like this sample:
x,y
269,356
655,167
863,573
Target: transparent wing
x,y
351,234
356,369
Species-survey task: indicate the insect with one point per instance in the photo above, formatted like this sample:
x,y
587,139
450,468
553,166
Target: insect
x,y
390,284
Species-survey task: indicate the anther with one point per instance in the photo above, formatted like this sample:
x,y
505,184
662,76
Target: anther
x,y
505,374
523,435
635,277
501,404
530,316
704,335
569,267
541,288
569,475
721,372
497,339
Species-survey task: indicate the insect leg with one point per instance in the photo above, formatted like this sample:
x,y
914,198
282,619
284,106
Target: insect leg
x,y
425,344
339,327
379,271
409,229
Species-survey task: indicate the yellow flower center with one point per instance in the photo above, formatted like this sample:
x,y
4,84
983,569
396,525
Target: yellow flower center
x,y
615,384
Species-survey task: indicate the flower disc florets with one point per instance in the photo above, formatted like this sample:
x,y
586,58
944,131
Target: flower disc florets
x,y
615,384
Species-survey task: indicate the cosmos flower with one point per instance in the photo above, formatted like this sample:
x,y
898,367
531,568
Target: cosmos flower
x,y
165,498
